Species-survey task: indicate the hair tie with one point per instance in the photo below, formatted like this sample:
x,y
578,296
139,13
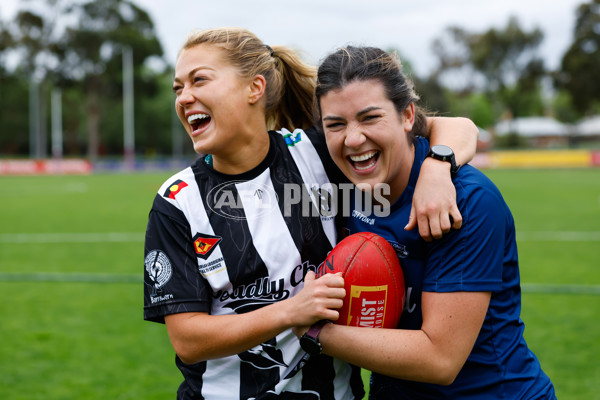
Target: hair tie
x,y
270,49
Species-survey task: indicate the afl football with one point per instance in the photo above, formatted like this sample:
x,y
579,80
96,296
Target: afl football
x,y
373,277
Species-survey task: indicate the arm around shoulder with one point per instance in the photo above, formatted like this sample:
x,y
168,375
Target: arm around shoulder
x,y
458,133
434,209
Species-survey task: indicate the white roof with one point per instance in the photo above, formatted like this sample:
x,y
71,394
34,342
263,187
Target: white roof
x,y
484,135
532,126
588,126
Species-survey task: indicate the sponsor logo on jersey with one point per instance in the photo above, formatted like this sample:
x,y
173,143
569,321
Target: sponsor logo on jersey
x,y
363,218
292,138
174,189
158,271
229,201
261,292
401,250
300,271
211,267
205,244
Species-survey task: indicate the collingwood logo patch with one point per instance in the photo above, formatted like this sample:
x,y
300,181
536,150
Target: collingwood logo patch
x,y
159,270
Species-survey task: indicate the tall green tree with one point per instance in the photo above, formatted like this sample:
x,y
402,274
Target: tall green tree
x,y
91,53
78,47
429,89
13,100
6,42
580,64
503,63
34,31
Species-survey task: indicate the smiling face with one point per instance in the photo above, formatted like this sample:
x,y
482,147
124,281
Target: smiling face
x,y
212,102
367,137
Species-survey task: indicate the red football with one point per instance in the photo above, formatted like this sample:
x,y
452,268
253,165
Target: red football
x,y
374,281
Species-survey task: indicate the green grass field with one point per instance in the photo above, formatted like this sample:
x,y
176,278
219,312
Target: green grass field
x,y
71,259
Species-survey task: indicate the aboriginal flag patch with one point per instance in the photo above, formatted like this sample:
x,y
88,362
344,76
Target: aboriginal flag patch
x,y
204,245
175,188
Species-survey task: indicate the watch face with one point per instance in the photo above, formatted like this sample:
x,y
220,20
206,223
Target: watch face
x,y
441,150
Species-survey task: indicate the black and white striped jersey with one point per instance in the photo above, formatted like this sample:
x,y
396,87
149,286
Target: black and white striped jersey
x,y
227,244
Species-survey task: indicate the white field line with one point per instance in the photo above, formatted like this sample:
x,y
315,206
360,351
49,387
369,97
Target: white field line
x,y
112,237
546,288
115,237
82,277
559,236
69,277
86,237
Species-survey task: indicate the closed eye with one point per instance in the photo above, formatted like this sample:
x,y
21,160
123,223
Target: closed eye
x,y
370,114
371,117
333,122
333,125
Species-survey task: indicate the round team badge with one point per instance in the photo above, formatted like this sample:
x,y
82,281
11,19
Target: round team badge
x,y
158,267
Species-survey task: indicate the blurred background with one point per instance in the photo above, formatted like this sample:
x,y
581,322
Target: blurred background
x,y
92,80
88,133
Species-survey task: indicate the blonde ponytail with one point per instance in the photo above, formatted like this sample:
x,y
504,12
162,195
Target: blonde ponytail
x,y
290,81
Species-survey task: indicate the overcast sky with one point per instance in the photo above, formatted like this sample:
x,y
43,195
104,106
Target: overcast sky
x,y
316,27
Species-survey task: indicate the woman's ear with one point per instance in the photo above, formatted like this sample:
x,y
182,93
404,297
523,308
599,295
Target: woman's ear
x,y
257,88
408,117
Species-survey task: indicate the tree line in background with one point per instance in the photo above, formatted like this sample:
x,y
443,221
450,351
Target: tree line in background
x,y
76,50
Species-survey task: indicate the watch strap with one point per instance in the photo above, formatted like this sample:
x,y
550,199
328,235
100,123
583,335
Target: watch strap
x,y
310,340
316,328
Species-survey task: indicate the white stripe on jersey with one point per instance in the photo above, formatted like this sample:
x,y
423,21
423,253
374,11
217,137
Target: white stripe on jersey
x,y
342,369
192,205
221,380
266,222
313,173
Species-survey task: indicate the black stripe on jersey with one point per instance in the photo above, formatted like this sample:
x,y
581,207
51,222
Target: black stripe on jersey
x,y
318,374
356,383
333,173
259,379
191,387
318,140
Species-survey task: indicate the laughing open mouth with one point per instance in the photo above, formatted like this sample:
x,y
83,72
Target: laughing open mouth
x,y
198,121
364,161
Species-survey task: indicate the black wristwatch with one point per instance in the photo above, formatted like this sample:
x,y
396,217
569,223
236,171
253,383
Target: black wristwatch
x,y
444,153
310,340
